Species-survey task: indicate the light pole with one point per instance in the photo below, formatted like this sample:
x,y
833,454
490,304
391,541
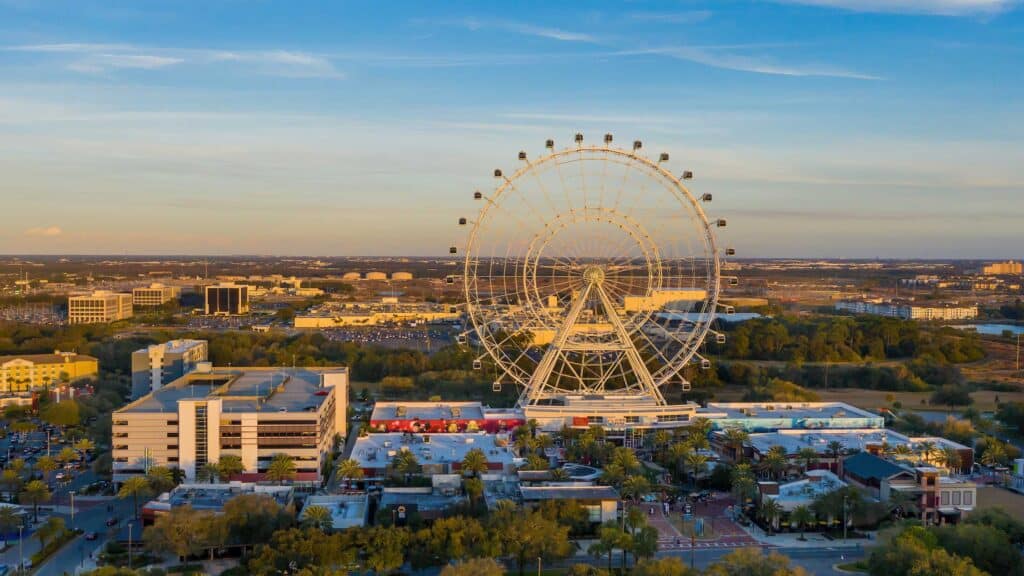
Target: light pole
x,y
72,493
844,517
21,548
538,565
129,545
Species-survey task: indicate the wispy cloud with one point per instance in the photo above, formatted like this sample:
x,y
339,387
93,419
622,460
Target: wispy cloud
x,y
518,27
96,58
933,7
47,231
688,17
729,58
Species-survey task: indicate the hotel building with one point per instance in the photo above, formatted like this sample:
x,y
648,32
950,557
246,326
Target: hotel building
x,y
31,371
155,365
252,413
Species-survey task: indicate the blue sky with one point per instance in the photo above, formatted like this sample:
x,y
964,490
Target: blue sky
x,y
837,128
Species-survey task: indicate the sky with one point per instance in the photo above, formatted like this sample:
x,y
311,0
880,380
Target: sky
x,y
823,128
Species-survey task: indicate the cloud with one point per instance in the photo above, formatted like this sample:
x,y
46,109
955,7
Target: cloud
x,y
96,58
727,59
932,7
49,231
517,27
689,17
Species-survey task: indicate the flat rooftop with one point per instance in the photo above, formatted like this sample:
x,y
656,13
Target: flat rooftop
x,y
425,499
428,411
243,390
793,440
215,496
817,483
174,346
742,410
377,450
347,510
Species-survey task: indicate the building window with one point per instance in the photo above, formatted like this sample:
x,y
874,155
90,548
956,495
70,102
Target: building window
x,y
956,498
968,498
945,498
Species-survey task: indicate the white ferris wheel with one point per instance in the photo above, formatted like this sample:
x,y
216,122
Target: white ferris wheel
x,y
591,271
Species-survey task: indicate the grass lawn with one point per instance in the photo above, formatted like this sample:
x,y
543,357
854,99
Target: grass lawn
x,y
994,497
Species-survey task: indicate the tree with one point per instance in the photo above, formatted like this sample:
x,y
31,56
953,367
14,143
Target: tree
x,y
670,566
951,459
35,493
63,413
926,449
281,468
348,469
645,542
610,538
85,446
229,466
697,464
253,518
751,562
10,518
735,438
634,487
988,548
51,530
835,449
801,516
182,531
46,465
770,511
531,535
67,454
475,462
318,517
743,484
385,548
1001,520
474,567
994,454
916,552
135,487
474,488
774,461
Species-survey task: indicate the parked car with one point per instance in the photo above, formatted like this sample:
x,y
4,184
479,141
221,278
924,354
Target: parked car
x,y
91,535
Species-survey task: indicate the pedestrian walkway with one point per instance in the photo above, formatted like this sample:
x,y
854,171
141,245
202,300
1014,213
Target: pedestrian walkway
x,y
727,534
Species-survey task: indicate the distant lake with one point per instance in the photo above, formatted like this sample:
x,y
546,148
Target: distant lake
x,y
991,329
694,317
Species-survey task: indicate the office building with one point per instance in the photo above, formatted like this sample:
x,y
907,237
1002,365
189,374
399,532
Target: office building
x,y
100,306
155,365
251,413
227,299
27,372
154,295
1003,269
909,311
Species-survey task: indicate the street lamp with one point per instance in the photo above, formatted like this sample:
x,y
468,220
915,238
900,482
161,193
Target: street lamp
x,y
844,517
538,565
21,548
72,493
129,545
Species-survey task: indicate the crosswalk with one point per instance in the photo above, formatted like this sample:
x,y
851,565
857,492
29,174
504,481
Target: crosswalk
x,y
684,544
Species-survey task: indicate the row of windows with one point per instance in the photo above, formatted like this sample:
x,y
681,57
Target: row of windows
x,y
957,498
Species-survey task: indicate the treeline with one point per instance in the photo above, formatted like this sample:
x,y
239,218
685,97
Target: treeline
x,y
915,376
845,339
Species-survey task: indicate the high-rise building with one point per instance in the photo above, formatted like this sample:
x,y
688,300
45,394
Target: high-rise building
x,y
100,306
227,299
31,371
158,364
252,413
154,295
1003,268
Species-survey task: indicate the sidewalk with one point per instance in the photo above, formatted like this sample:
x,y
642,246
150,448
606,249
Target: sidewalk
x,y
812,539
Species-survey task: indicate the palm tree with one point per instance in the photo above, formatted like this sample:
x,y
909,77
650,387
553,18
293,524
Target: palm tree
x,y
697,464
801,516
475,462
635,519
46,465
951,459
318,517
134,488
834,449
660,439
613,475
926,448
10,518
633,487
67,454
85,446
699,427
348,469
677,454
902,451
807,456
405,463
743,485
735,438
904,505
774,461
559,474
228,466
209,472
36,492
474,488
770,511
281,468
994,454
161,479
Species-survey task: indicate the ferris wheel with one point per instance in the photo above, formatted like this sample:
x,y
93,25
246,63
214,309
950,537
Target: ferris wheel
x,y
593,271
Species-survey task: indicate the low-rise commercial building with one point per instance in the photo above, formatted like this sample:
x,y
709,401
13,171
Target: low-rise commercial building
x,y
441,417
939,497
155,365
1003,268
770,416
154,295
435,453
347,510
25,372
802,492
211,497
908,311
251,413
600,502
98,307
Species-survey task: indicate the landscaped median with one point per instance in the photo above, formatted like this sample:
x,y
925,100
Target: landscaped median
x,y
52,544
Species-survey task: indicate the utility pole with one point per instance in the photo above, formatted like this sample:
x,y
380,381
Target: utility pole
x,y
538,565
129,545
844,518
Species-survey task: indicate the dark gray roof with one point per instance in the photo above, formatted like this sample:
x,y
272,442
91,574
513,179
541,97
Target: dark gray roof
x,y
865,465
